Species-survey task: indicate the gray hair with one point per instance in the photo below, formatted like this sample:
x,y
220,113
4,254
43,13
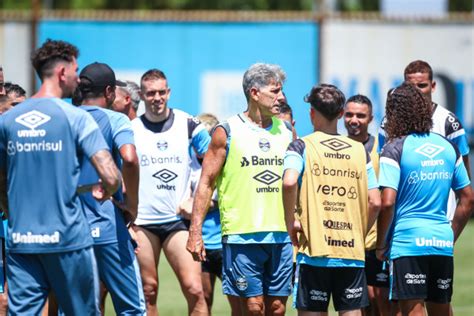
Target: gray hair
x,y
133,90
260,75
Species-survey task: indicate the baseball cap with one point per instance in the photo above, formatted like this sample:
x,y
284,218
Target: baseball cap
x,y
97,76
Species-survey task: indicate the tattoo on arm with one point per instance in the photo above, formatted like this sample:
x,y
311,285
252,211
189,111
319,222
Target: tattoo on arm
x,y
107,170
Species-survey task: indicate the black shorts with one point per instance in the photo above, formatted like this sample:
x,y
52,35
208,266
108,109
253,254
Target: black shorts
x,y
374,271
163,231
213,263
315,285
424,277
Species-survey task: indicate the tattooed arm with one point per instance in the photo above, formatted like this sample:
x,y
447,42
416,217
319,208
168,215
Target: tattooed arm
x,y
108,173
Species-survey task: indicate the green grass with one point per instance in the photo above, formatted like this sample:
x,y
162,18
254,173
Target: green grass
x,y
171,301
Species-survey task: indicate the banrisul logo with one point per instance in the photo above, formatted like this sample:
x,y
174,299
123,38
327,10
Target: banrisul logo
x,y
336,144
32,120
430,151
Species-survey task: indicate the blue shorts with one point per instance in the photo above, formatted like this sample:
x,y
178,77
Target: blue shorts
x,y
72,276
118,269
257,269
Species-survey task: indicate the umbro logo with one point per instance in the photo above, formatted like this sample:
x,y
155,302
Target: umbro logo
x,y
335,144
165,175
32,119
267,177
429,150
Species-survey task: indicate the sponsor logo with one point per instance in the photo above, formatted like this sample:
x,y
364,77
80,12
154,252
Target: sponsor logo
x,y
381,277
416,177
95,232
241,283
432,163
433,242
32,120
149,160
429,150
316,295
346,173
264,144
165,176
443,284
337,145
16,147
162,145
29,238
257,161
455,125
354,293
336,225
339,243
415,278
267,177
330,206
337,190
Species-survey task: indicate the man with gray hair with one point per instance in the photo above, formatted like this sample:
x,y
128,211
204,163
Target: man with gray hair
x,y
245,160
127,98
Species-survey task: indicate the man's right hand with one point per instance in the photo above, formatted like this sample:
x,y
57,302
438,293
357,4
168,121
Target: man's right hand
x,y
195,246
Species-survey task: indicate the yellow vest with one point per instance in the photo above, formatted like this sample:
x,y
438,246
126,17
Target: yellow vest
x,y
249,186
371,238
333,198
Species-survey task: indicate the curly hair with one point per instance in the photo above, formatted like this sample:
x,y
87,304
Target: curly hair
x,y
407,111
49,54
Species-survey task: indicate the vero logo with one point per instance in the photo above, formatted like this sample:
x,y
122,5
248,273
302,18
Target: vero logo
x,y
429,150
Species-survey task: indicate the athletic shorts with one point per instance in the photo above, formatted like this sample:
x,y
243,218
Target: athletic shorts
x,y
257,269
72,276
213,263
374,270
163,231
423,277
315,285
119,270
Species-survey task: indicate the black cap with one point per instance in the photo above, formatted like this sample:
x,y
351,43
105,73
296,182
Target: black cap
x,y
97,76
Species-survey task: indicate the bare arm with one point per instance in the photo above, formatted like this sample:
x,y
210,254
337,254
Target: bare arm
x,y
211,167
131,178
290,195
374,207
385,220
108,173
3,191
467,165
463,211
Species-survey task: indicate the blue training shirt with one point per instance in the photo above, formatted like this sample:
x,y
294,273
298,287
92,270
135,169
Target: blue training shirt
x,y
42,142
105,219
422,168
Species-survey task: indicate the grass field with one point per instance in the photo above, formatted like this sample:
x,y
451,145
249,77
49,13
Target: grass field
x,y
171,302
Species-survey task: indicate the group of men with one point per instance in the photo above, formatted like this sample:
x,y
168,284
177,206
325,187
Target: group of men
x,y
116,189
